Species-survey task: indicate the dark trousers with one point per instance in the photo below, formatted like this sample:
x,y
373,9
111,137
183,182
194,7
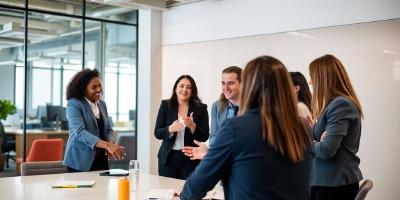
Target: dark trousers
x,y
100,162
345,192
178,166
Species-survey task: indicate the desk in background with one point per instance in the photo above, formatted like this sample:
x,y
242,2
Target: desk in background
x,y
106,187
33,134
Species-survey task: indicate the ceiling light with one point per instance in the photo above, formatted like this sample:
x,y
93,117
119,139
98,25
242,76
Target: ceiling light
x,y
301,35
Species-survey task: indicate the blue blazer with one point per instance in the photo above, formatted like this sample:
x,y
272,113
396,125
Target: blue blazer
x,y
248,166
218,116
83,133
335,162
168,115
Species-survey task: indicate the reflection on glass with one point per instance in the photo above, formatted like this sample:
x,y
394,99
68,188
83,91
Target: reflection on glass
x,y
71,7
17,3
120,70
54,56
110,12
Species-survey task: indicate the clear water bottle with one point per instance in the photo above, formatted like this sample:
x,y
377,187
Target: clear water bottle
x,y
133,167
134,173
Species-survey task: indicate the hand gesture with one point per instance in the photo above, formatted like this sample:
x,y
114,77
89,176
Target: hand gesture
x,y
196,153
177,192
175,126
188,121
116,151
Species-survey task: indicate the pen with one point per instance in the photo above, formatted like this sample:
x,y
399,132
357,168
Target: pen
x,y
72,186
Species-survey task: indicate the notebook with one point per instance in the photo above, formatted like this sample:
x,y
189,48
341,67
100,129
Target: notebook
x,y
74,184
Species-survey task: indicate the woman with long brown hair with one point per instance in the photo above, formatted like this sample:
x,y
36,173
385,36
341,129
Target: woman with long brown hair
x,y
264,153
336,173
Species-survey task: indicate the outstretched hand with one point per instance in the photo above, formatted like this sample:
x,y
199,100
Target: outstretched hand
x,y
196,153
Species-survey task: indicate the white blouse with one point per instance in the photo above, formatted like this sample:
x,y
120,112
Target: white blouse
x,y
94,107
180,136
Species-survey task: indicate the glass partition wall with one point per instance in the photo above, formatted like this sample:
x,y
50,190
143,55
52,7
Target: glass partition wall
x,y
35,78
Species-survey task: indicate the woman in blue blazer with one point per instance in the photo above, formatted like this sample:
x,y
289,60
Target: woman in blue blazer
x,y
180,120
336,173
89,143
265,152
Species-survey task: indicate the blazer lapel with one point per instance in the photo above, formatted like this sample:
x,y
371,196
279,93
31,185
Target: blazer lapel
x,y
103,115
87,106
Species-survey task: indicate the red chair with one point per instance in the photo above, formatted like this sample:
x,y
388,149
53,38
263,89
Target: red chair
x,y
44,150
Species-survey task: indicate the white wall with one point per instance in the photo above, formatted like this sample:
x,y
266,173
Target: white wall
x,y
226,24
149,84
374,74
221,19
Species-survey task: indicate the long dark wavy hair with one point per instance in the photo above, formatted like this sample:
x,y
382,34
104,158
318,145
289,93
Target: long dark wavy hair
x,y
194,98
304,94
77,86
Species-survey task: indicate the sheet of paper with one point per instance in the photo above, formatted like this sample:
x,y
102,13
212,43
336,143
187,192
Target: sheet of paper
x,y
160,194
118,171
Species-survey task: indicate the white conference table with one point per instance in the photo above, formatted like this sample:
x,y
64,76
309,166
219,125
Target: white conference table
x,y
39,187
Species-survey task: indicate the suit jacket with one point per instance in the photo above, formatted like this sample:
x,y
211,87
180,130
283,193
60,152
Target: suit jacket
x,y
335,162
165,118
83,133
218,116
248,166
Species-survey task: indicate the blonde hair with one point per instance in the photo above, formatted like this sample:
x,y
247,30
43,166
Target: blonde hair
x,y
266,84
329,80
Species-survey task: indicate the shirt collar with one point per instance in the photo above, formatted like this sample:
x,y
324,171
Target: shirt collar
x,y
230,105
91,103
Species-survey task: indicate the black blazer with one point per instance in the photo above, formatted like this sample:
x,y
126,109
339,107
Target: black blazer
x,y
248,166
167,116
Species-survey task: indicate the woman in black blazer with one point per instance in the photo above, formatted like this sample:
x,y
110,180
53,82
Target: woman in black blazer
x,y
180,120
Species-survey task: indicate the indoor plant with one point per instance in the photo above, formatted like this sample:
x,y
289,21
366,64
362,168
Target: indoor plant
x,y
6,108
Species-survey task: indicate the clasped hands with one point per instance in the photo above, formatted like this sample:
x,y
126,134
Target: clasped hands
x,y
115,151
186,121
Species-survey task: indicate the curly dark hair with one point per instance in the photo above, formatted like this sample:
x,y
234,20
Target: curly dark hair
x,y
77,86
194,99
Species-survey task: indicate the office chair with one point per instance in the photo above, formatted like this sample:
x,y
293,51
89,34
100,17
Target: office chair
x,y
44,167
365,187
7,145
44,150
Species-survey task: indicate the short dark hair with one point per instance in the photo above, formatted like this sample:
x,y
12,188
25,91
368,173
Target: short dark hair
x,y
77,86
194,99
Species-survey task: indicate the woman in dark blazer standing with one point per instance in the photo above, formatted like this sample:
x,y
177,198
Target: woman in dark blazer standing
x,y
336,173
180,120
